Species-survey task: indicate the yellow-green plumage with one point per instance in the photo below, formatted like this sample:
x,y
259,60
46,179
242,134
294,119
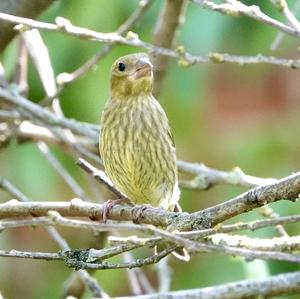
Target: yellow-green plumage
x,y
136,144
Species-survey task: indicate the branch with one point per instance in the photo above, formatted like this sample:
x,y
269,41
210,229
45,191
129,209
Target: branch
x,y
100,176
268,212
71,259
284,8
277,285
253,225
280,35
46,116
10,188
283,244
88,280
54,219
207,177
287,188
219,245
185,58
130,243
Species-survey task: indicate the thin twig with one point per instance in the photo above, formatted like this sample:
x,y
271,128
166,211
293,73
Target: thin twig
x,y
253,225
207,177
268,212
280,35
10,188
284,9
100,176
47,116
283,244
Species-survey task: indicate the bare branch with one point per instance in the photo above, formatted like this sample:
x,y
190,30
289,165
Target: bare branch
x,y
100,176
222,247
287,188
284,244
282,284
291,19
10,188
185,59
268,212
253,225
279,37
221,243
31,255
207,177
47,116
86,278
110,226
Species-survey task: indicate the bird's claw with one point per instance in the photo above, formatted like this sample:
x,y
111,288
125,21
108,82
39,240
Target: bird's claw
x,y
109,204
138,212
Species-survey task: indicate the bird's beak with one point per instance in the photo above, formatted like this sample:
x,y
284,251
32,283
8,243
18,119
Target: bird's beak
x,y
143,68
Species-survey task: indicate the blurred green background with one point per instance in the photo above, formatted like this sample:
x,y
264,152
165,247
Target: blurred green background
x,y
221,115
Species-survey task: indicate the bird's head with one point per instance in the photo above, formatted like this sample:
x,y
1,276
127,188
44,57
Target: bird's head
x,y
131,75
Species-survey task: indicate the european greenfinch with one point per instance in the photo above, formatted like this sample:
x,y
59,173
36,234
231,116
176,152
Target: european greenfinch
x,y
136,143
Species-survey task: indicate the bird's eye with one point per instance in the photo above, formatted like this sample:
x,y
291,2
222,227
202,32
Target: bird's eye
x,y
121,66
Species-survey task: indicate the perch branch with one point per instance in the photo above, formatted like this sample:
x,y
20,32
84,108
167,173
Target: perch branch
x,y
286,188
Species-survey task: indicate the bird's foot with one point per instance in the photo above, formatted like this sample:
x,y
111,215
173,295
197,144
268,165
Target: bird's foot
x,y
109,204
138,212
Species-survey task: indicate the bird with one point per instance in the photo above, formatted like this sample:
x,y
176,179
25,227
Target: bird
x,y
136,143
